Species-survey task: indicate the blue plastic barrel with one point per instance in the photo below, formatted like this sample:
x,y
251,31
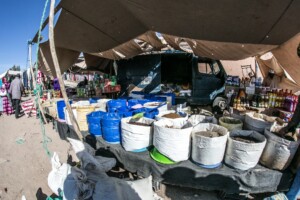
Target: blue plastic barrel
x,y
94,122
111,131
60,109
115,105
126,113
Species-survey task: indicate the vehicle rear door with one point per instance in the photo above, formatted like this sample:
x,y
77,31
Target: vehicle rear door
x,y
208,77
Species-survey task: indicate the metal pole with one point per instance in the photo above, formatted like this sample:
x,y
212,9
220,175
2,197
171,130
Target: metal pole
x,y
58,72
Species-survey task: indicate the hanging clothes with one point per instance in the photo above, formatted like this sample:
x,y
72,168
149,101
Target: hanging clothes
x,y
40,77
25,79
7,107
1,104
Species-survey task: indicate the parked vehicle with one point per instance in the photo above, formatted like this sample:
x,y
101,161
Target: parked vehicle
x,y
201,80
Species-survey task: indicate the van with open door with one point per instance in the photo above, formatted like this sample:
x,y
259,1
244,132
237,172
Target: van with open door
x,y
201,81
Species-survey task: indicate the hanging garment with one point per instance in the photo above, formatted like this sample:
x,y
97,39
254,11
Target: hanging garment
x,y
25,79
1,104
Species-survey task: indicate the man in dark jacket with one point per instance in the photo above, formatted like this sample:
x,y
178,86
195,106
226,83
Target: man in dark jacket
x,y
16,89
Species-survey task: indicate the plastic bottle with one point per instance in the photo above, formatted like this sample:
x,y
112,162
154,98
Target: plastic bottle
x,y
295,102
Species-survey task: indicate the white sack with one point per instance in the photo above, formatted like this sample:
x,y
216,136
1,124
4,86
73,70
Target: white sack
x,y
205,150
136,137
278,152
256,124
177,121
173,142
242,155
196,119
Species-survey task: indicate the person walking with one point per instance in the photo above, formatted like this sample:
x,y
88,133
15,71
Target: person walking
x,y
16,89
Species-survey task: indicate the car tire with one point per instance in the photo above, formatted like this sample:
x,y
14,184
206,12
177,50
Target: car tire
x,y
219,104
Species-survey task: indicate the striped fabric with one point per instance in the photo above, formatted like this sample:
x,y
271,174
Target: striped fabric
x,y
1,104
7,108
28,106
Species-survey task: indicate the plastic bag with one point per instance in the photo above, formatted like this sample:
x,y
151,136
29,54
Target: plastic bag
x,y
58,174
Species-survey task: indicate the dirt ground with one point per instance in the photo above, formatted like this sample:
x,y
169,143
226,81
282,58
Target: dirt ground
x,y
24,166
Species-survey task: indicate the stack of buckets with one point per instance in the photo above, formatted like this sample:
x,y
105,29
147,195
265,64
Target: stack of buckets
x,y
94,122
60,109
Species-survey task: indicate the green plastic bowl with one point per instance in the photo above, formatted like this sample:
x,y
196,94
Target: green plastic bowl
x,y
160,158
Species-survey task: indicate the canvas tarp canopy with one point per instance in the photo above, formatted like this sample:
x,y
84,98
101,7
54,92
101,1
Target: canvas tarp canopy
x,y
68,58
3,74
285,62
228,30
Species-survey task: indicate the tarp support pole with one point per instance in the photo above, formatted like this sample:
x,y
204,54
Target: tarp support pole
x,y
58,72
34,86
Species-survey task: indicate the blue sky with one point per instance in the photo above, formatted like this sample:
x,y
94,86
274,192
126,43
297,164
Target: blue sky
x,y
19,21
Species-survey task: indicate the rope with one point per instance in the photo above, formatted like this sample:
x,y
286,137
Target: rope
x,y
38,90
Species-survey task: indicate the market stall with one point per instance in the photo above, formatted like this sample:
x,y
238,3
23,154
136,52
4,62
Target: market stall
x,y
166,139
137,146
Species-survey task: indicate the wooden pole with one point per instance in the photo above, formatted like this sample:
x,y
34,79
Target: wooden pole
x,y
58,72
34,86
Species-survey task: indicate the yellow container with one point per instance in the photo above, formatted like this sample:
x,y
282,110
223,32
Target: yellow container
x,y
82,111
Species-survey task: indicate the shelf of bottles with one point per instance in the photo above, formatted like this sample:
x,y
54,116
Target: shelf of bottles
x,y
276,98
99,86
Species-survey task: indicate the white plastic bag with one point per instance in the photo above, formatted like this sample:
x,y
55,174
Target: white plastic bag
x,y
102,105
67,117
143,187
173,142
135,137
58,174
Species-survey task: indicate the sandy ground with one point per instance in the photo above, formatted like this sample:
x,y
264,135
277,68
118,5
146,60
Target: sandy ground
x,y
24,168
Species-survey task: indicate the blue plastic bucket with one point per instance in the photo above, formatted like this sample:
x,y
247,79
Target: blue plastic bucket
x,y
115,105
93,100
94,122
151,114
60,109
111,131
124,113
133,102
